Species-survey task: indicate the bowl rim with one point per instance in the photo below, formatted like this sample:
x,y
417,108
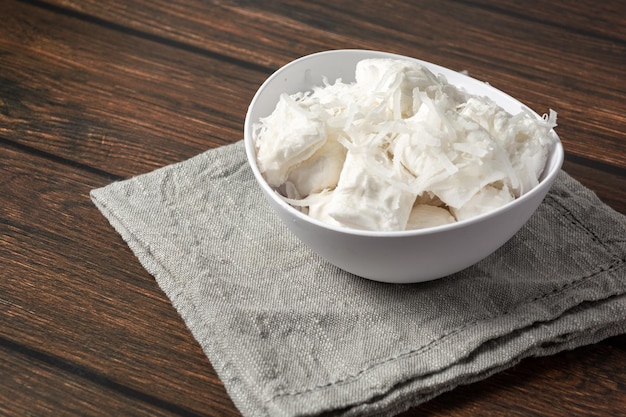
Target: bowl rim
x,y
553,164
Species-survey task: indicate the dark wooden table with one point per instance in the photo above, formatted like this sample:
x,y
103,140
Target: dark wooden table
x,y
95,91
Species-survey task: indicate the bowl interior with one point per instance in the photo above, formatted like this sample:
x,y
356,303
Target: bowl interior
x,y
309,71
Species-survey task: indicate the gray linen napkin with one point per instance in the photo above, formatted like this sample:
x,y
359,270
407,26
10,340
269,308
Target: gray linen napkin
x,y
291,335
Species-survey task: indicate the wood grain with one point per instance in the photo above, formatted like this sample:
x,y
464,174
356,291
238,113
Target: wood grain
x,y
61,390
104,105
512,47
559,386
92,92
112,298
57,269
607,185
606,21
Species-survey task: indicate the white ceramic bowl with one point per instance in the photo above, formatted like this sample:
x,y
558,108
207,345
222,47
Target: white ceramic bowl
x,y
405,256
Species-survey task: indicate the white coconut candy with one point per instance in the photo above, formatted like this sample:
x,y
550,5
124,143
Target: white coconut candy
x,y
397,145
424,215
368,202
485,200
290,135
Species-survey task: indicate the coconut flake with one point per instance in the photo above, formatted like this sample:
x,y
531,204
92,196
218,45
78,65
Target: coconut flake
x,y
397,144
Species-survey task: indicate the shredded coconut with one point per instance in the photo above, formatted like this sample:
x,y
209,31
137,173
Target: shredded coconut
x,y
400,148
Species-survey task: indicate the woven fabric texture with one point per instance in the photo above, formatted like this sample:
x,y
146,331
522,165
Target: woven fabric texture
x,y
291,335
